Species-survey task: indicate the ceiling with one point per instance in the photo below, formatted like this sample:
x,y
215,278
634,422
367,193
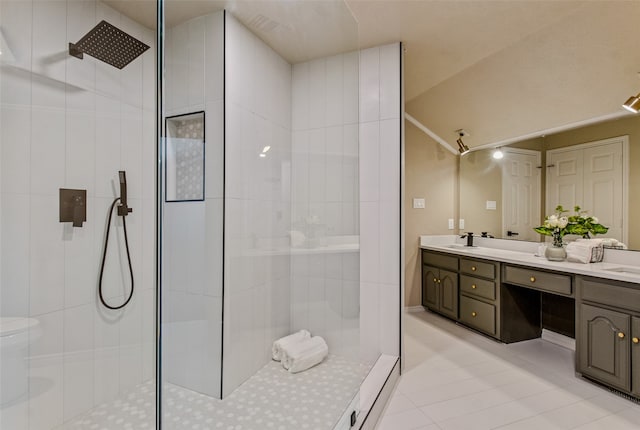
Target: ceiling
x,y
498,69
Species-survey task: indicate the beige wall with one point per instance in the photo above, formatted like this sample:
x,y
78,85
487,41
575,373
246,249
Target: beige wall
x,y
626,126
480,180
431,173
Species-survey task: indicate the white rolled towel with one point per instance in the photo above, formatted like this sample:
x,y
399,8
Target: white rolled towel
x,y
304,355
278,347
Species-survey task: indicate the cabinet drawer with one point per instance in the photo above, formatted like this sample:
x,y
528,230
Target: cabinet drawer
x,y
545,281
478,268
478,287
477,314
440,260
611,293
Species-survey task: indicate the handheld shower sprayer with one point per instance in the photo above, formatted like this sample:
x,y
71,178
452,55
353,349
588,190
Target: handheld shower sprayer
x,y
123,211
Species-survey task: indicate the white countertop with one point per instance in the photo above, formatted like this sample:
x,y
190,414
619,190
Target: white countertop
x,y
524,254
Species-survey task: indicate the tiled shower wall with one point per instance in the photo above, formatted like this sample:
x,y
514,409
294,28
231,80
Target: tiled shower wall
x,y
192,231
70,123
257,202
324,284
380,158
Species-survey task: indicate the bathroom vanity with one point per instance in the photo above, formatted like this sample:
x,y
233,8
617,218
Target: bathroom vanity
x,y
512,295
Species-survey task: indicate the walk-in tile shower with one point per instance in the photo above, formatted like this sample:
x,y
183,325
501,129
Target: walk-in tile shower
x,y
252,157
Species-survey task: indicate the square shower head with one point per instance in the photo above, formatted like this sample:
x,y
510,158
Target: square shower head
x,y
109,44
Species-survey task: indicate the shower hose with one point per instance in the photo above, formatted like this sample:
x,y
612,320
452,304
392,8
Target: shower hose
x,y
104,257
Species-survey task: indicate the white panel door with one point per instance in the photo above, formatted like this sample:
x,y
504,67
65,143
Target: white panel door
x,y
603,186
521,194
592,176
565,178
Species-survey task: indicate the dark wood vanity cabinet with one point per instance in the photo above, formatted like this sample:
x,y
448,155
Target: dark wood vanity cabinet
x,y
479,295
440,283
604,349
635,356
607,342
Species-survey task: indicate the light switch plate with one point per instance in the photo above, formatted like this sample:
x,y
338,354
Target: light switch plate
x,y
461,224
491,205
418,203
451,224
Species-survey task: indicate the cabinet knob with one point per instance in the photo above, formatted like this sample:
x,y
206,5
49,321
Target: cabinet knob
x,y
473,268
435,280
635,340
621,335
473,287
473,314
532,279
439,281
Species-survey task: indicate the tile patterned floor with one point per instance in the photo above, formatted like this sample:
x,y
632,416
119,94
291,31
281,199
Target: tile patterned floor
x,y
272,399
456,379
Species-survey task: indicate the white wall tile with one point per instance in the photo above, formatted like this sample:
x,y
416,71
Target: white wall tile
x,y
334,90
390,318
300,96
50,44
15,135
214,66
46,373
317,93
369,162
389,161
350,97
196,65
80,256
17,26
81,17
14,290
46,290
47,151
369,321
78,360
80,151
390,81
370,85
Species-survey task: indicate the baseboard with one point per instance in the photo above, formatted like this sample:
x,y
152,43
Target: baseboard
x,y
558,339
412,309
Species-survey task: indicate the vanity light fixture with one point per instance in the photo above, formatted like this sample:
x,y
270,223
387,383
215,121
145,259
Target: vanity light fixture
x,y
633,104
498,154
462,148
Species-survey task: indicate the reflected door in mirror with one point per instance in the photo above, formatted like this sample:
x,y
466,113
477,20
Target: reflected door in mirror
x,y
591,176
521,194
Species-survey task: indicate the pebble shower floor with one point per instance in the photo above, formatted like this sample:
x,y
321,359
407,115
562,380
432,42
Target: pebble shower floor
x,y
271,399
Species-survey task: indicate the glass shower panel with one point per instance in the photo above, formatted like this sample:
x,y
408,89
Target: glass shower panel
x,y
274,247
66,360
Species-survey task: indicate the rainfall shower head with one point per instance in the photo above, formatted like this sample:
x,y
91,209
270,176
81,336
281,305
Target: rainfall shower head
x,y
109,44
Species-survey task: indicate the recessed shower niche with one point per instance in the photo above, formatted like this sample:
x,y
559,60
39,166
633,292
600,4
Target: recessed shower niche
x,y
184,157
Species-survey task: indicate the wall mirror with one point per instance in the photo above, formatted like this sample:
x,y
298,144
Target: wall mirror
x,y
594,167
184,168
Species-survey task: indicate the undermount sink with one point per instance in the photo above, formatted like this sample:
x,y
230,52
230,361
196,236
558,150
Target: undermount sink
x,y
461,246
633,270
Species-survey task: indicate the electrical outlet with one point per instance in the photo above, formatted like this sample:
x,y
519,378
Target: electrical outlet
x,y
461,224
418,203
451,224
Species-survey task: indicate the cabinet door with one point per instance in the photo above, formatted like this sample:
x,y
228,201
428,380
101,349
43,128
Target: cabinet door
x,y
448,283
604,346
635,355
430,296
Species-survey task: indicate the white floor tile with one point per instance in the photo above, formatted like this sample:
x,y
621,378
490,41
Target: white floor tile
x,y
462,380
406,420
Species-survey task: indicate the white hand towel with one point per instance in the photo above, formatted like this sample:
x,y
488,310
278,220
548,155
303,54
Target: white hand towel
x,y
304,355
580,252
277,350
